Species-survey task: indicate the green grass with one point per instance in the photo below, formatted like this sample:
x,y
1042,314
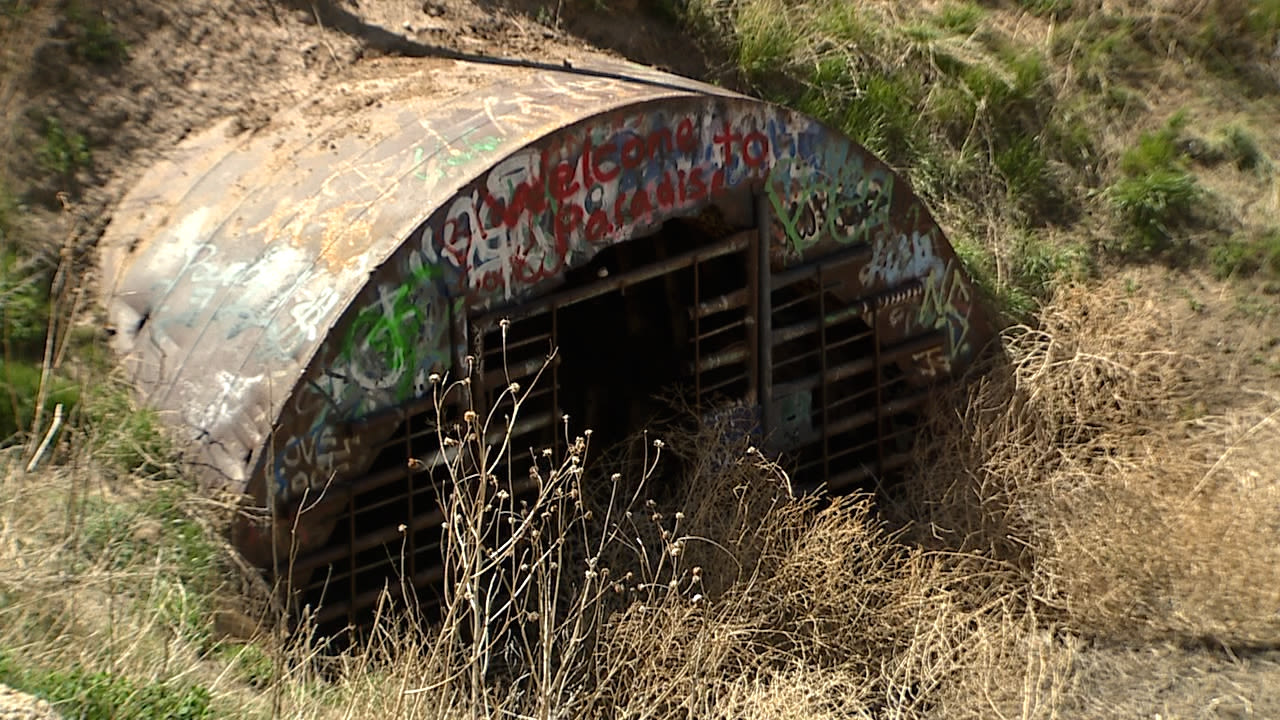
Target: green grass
x,y
79,693
127,440
1048,8
1035,268
962,18
1240,145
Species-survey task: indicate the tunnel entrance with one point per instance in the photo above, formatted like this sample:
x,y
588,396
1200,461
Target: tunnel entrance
x,y
682,312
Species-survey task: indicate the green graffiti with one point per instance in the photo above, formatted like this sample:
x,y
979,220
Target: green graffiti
x,y
454,156
393,328
845,207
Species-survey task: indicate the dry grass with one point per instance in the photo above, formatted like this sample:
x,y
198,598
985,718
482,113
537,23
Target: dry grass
x,y
1091,471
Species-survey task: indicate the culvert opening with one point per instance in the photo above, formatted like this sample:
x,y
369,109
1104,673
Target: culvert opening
x,y
681,312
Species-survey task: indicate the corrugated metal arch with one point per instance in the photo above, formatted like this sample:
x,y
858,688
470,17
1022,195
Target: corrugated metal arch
x,y
272,290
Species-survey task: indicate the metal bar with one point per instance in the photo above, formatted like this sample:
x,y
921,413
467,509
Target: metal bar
x,y
408,483
726,383
852,398
556,410
721,329
724,358
875,326
861,365
729,301
866,417
726,246
697,337
516,344
500,378
752,320
369,597
382,562
370,540
861,253
351,556
863,473
822,373
763,343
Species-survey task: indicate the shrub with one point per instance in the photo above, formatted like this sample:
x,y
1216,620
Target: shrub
x,y
1156,193
95,38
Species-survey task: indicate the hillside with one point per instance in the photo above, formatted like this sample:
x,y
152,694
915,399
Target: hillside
x,y
1090,529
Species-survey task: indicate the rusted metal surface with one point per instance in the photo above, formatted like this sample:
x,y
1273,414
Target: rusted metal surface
x,y
285,294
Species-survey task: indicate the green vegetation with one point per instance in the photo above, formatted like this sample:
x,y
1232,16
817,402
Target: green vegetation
x,y
61,151
19,388
1244,256
1156,193
1241,147
24,304
128,440
96,39
103,696
1048,8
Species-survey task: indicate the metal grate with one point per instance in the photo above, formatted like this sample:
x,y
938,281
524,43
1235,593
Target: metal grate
x,y
833,401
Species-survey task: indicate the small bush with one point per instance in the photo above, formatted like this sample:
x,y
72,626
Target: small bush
x,y
1156,194
1242,147
1153,205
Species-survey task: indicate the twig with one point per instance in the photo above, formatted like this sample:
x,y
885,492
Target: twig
x,y
48,438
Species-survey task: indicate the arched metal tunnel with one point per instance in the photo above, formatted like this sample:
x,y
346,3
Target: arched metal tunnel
x,y
283,296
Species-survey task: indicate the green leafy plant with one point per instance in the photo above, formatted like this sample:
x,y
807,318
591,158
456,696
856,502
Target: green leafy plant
x,y
1156,193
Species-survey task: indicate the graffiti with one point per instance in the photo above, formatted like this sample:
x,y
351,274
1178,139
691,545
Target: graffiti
x,y
843,205
947,305
515,229
897,259
434,164
529,216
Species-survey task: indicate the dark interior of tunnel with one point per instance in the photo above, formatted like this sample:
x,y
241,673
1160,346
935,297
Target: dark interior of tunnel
x,y
639,324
